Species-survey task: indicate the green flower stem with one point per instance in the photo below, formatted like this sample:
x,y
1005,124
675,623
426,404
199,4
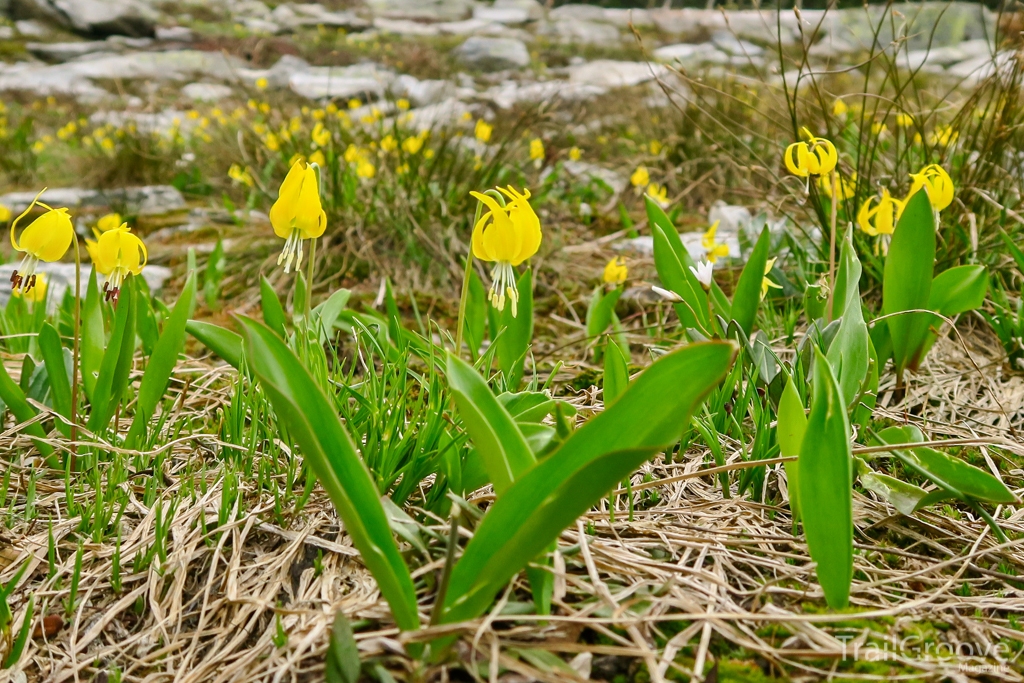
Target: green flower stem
x,y
464,298
75,353
834,179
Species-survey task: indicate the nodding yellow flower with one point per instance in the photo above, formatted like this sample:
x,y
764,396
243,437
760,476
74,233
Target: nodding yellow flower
x,y
402,104
943,136
36,294
715,250
47,238
297,214
354,103
537,150
655,146
658,193
878,128
847,187
109,222
116,254
412,145
879,215
936,182
318,158
507,236
767,284
261,84
320,135
5,214
640,177
388,144
615,271
483,131
272,142
904,120
817,156
839,108
364,169
575,153
240,175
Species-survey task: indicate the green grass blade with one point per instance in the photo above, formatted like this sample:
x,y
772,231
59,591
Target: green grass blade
x,y
328,449
792,424
117,361
161,364
747,298
907,280
649,417
826,498
676,276
18,646
848,352
94,338
505,453
221,341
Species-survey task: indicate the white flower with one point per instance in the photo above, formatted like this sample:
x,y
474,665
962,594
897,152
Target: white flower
x,y
667,295
703,273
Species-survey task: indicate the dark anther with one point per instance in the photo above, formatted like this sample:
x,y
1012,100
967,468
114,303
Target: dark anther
x,y
15,280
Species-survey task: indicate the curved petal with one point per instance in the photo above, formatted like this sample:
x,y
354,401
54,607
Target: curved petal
x,y
793,165
479,248
282,213
49,236
308,208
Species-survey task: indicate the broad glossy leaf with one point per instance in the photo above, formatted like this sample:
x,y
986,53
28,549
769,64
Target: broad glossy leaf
x,y
221,341
747,297
273,311
53,356
848,352
826,501
94,338
14,397
616,373
945,470
907,280
693,310
328,449
505,453
161,364
959,290
792,423
522,523
656,216
601,310
514,342
906,498
326,314
117,360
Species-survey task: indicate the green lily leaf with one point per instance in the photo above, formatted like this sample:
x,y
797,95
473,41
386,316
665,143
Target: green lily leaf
x,y
907,281
747,298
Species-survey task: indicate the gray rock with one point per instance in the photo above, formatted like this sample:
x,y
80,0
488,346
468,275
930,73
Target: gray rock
x,y
445,113
731,219
942,57
421,93
145,200
64,52
639,18
279,75
974,71
92,17
642,246
577,12
206,92
730,44
294,15
510,16
177,34
405,27
608,73
583,169
581,32
533,8
61,276
6,32
161,122
30,28
422,10
263,26
368,81
510,93
493,54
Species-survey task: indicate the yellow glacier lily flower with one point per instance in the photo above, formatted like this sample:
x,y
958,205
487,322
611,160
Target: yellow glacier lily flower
x,y
658,193
936,182
483,131
817,156
715,250
839,108
297,214
847,187
640,177
881,218
109,222
767,284
5,214
116,254
36,294
615,272
506,236
47,238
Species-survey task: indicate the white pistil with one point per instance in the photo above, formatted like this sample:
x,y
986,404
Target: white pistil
x,y
292,252
503,283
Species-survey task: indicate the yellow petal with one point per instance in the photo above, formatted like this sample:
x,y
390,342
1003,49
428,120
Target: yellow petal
x,y
282,213
49,236
796,166
308,209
